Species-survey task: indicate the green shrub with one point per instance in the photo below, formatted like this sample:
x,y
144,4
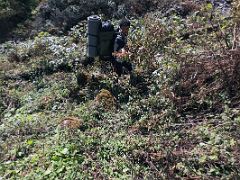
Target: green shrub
x,y
12,12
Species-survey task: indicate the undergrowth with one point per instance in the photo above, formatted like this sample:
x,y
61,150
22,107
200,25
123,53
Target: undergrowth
x,y
175,117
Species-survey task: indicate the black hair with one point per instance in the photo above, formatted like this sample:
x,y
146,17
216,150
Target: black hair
x,y
124,22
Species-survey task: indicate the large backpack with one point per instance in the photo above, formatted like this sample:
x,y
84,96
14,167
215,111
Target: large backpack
x,y
101,36
107,36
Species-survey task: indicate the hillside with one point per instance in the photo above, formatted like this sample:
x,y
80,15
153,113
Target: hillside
x,y
177,116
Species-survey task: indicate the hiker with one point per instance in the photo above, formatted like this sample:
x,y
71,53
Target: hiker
x,y
108,44
120,49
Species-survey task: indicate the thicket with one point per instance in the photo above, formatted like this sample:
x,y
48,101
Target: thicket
x,y
176,117
12,12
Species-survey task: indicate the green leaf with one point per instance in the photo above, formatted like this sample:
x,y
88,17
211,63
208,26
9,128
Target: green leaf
x,y
180,165
55,158
65,151
209,6
20,154
61,169
212,170
48,171
232,142
213,157
203,159
125,170
30,142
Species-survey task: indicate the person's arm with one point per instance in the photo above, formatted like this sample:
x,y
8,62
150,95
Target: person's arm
x,y
119,48
121,53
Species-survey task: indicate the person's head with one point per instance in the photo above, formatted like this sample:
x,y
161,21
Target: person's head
x,y
124,25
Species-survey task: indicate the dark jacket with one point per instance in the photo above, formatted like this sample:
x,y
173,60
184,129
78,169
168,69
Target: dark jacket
x,y
120,42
